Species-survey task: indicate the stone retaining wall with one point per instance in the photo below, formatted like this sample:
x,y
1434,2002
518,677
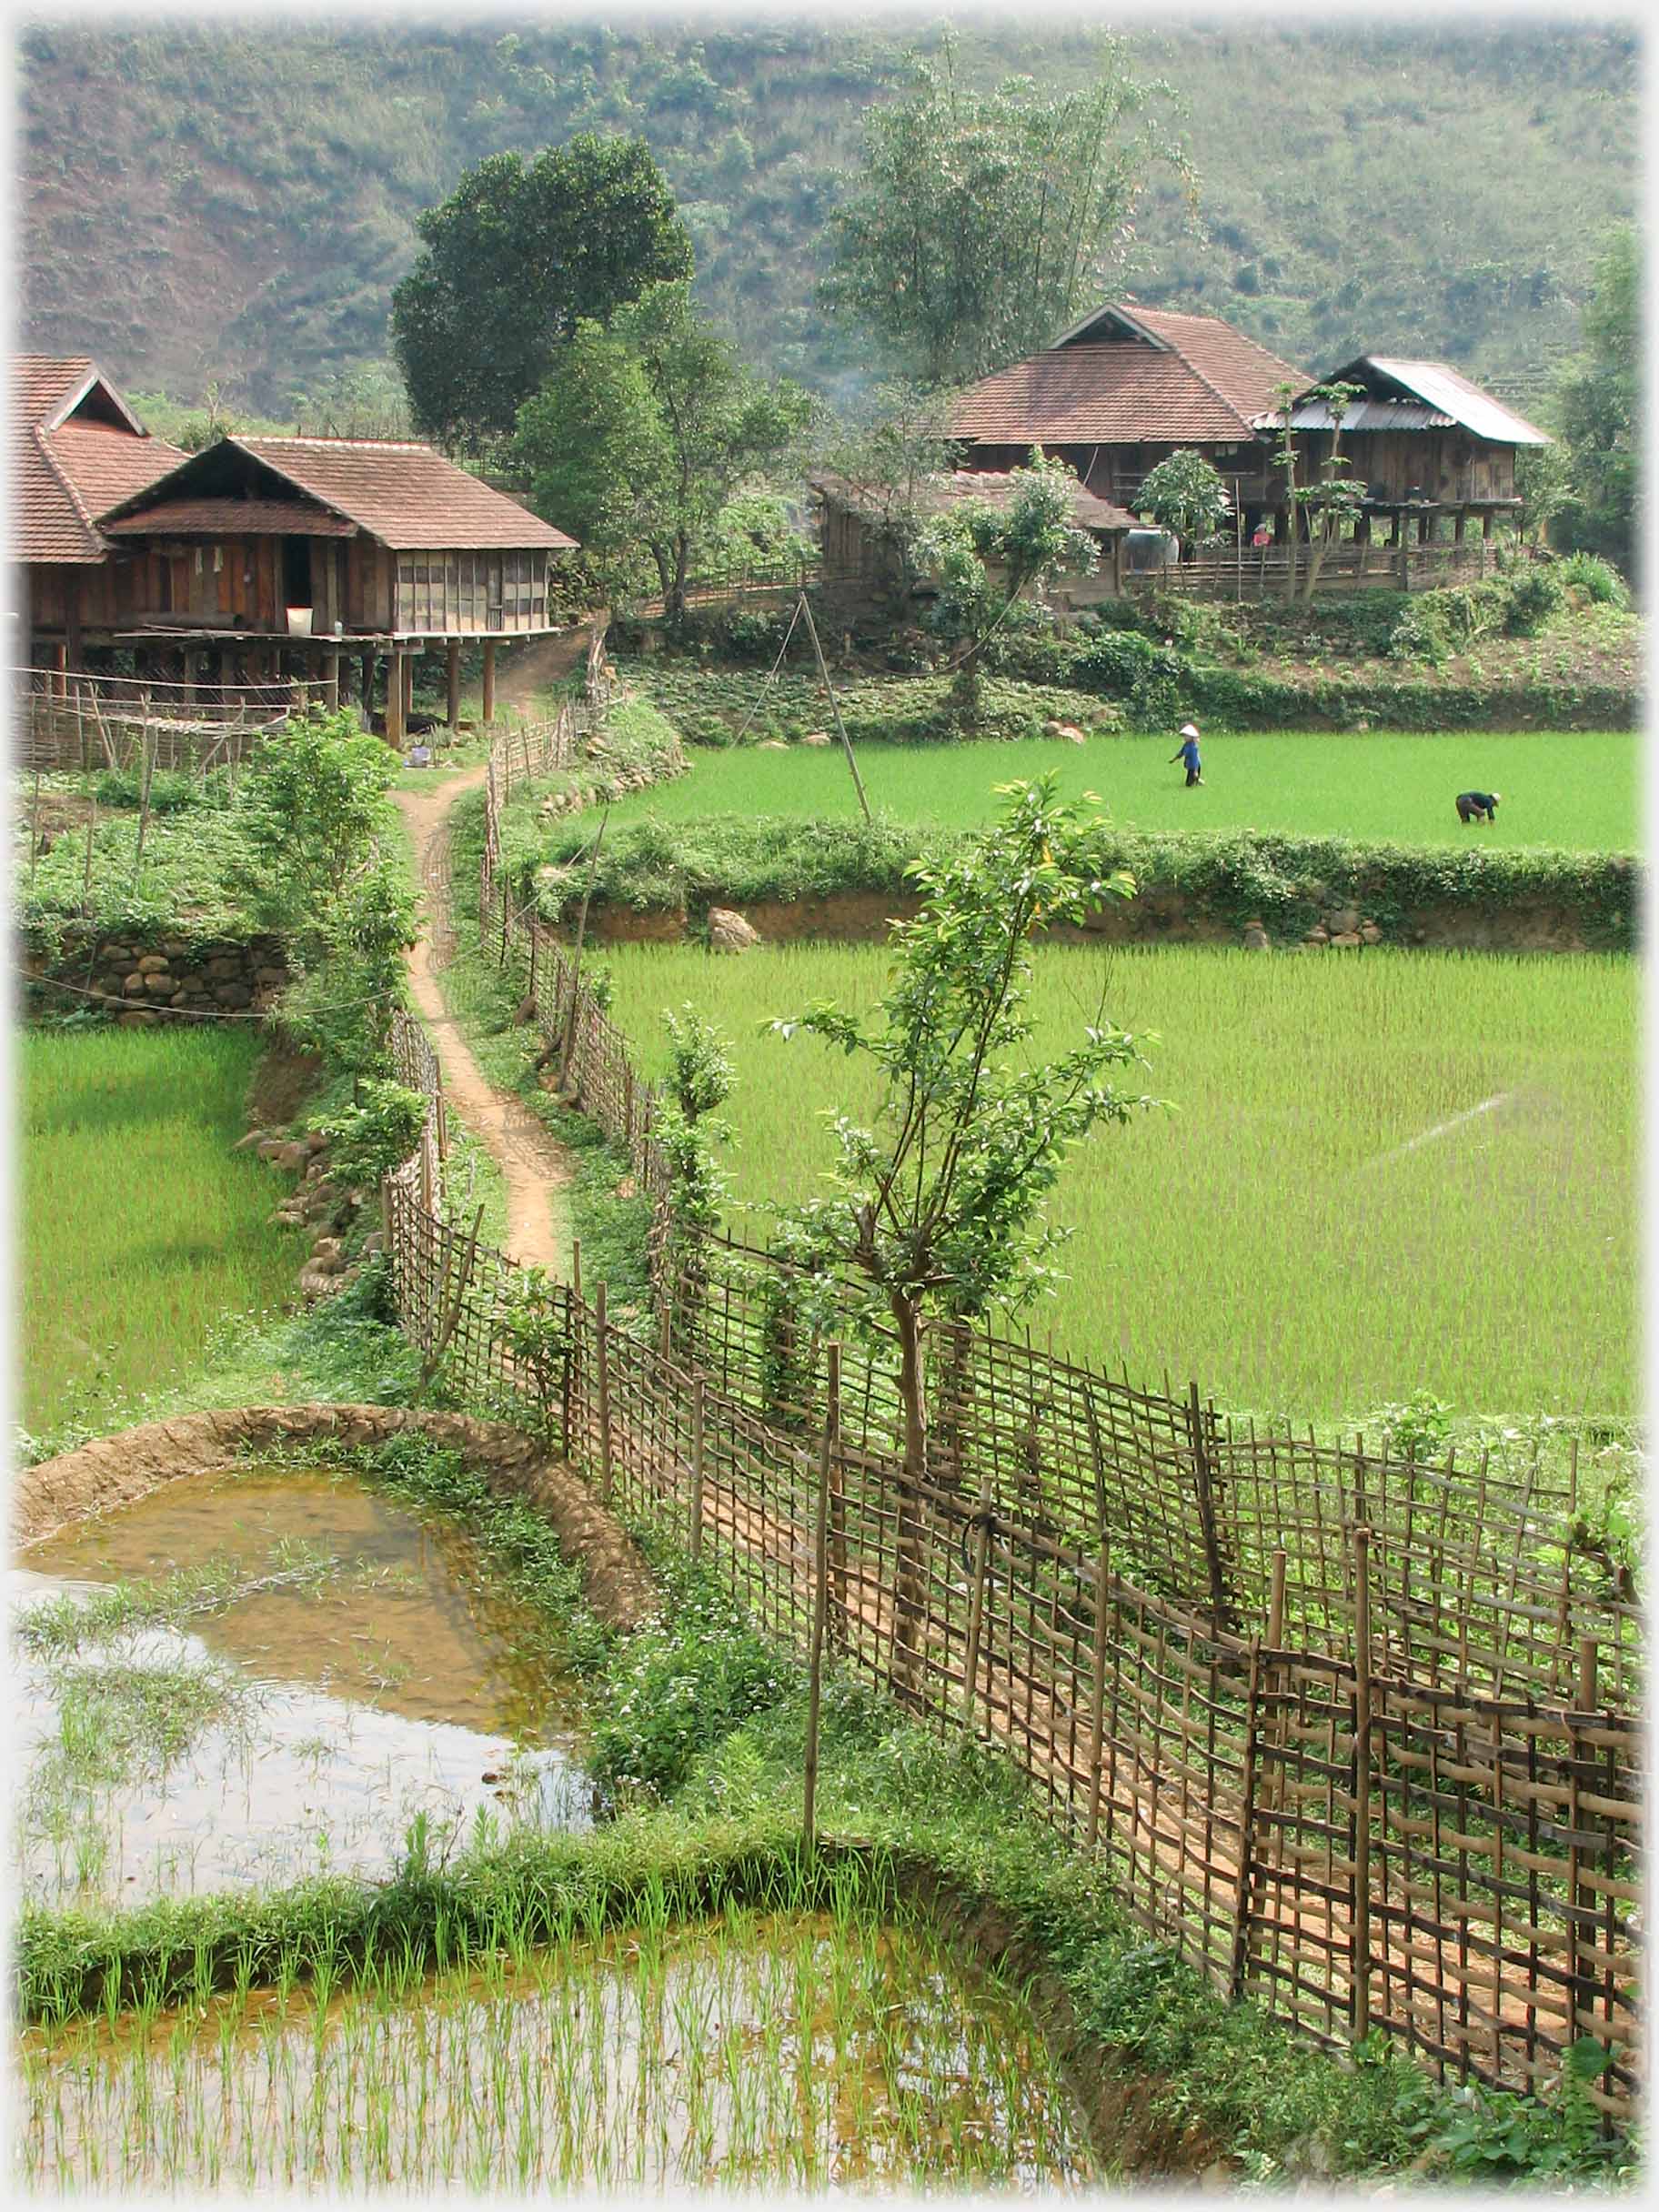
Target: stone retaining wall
x,y
141,980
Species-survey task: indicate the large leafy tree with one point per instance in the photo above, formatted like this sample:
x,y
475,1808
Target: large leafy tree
x,y
646,429
935,1208
981,224
1596,412
512,261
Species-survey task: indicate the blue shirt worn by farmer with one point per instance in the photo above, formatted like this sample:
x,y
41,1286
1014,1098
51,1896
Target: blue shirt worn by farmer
x,y
1189,754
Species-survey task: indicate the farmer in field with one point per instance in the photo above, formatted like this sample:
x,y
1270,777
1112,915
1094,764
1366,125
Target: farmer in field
x,y
1188,753
1477,806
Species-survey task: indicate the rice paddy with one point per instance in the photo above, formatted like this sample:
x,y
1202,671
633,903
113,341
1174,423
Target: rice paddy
x,y
1574,789
142,1228
254,1677
1381,1174
789,2050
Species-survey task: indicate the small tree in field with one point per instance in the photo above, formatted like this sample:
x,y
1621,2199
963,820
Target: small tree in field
x,y
935,1209
987,556
1186,495
1333,498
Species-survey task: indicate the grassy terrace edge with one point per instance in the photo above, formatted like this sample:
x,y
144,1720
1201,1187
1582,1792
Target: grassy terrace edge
x,y
1227,880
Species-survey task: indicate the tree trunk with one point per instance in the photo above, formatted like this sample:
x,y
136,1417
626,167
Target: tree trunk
x,y
908,1607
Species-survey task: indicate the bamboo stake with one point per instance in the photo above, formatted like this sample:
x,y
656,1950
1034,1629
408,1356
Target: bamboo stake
x,y
820,1597
34,831
602,1331
575,1266
976,1601
858,781
92,824
698,1387
452,1315
1360,1992
147,772
1096,1692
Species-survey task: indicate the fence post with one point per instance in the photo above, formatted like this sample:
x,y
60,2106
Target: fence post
x,y
1581,1982
1360,1991
976,1599
1206,1509
820,1597
696,1466
1247,1824
602,1333
1096,1692
575,1266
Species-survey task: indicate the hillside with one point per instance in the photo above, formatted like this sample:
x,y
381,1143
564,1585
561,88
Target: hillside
x,y
238,201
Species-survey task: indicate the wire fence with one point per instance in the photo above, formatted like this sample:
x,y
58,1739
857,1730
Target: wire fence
x,y
1360,1731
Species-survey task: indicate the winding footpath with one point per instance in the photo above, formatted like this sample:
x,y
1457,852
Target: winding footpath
x,y
534,1165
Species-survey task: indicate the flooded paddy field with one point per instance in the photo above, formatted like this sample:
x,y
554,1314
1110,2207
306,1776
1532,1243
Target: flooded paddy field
x,y
249,1678
831,2048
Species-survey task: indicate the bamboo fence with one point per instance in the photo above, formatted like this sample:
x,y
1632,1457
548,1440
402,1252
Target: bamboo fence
x,y
1360,1732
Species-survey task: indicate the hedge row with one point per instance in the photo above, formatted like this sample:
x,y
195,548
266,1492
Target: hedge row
x,y
1286,882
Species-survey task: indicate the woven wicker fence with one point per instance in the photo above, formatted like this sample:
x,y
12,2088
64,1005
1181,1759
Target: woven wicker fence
x,y
1360,1732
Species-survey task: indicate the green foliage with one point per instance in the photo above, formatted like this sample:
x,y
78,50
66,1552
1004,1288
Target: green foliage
x,y
985,555
172,790
978,224
1505,144
645,431
1535,598
1186,495
699,1079
1598,412
323,872
680,1686
376,1133
1492,2135
1598,580
935,1203
513,261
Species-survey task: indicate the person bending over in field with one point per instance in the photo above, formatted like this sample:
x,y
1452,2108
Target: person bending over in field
x,y
1477,806
1188,753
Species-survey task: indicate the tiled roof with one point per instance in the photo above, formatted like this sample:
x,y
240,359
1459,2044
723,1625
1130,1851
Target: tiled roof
x,y
1088,511
66,475
404,495
233,518
1206,387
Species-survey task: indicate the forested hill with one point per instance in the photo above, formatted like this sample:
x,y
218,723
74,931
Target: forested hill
x,y
237,202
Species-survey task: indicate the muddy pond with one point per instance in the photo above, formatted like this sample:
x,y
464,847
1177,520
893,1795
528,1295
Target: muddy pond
x,y
790,2050
254,1676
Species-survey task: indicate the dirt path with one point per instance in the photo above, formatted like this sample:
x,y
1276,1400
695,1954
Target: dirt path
x,y
534,1165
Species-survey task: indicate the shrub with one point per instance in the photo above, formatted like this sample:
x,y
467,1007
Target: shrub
x,y
1534,597
1598,580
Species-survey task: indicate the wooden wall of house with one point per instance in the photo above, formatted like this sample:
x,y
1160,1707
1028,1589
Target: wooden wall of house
x,y
1446,465
467,593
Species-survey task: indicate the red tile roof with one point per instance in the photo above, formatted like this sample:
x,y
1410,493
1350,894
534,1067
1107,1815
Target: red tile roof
x,y
67,467
404,495
1207,386
233,518
1088,512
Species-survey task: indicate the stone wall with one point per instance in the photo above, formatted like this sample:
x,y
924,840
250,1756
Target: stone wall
x,y
142,980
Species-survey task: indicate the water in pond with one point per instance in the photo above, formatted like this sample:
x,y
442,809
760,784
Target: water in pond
x,y
300,1666
790,2051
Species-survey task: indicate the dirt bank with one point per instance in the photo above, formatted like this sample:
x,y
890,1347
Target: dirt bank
x,y
116,1470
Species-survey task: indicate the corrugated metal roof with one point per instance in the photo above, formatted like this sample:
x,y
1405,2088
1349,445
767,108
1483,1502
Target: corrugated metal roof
x,y
1438,385
1364,414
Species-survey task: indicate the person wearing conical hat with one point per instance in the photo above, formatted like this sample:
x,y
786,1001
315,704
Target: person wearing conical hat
x,y
1188,753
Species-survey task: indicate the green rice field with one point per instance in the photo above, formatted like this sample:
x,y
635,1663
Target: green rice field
x,y
1577,790
141,1228
1380,1175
